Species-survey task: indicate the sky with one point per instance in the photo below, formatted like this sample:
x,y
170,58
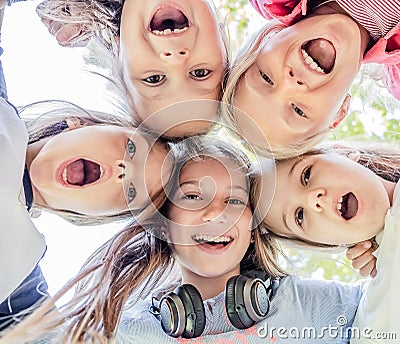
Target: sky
x,y
36,68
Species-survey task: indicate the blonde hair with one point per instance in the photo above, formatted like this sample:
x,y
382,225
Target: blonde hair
x,y
48,118
135,262
380,157
242,61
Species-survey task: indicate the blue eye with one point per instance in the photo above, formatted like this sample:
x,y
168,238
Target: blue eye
x,y
200,73
131,148
235,201
131,193
305,175
298,111
154,79
266,78
299,215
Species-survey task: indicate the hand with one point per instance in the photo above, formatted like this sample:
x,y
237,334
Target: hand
x,y
362,258
65,34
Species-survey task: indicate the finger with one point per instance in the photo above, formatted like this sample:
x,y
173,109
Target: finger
x,y
358,249
368,269
363,260
67,33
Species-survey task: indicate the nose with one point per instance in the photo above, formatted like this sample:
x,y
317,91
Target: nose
x,y
295,79
316,199
175,56
214,213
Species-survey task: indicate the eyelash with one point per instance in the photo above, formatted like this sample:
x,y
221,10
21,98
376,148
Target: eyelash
x,y
266,78
304,179
131,193
207,72
131,148
298,111
154,79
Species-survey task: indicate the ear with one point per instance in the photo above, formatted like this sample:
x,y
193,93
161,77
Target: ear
x,y
74,123
342,112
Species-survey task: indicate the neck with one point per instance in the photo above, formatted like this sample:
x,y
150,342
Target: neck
x,y
31,152
389,187
323,7
208,286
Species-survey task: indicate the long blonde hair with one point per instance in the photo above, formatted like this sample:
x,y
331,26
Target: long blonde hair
x,y
242,61
380,157
132,264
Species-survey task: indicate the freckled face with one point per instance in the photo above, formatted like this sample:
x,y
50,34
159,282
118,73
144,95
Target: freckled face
x,y
97,170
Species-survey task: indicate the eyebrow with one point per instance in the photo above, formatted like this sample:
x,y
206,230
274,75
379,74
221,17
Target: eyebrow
x,y
196,183
298,161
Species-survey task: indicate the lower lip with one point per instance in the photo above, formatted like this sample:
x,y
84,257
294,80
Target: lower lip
x,y
213,249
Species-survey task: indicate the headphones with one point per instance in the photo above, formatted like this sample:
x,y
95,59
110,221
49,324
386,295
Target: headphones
x,y
247,301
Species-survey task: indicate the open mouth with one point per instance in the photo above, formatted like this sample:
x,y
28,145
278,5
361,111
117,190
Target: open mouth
x,y
81,172
348,206
319,54
168,20
212,241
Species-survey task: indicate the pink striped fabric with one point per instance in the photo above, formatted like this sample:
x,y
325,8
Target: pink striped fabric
x,y
376,16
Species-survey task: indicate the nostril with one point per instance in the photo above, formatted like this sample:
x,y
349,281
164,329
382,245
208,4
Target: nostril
x,y
166,53
122,165
121,176
291,73
182,52
300,83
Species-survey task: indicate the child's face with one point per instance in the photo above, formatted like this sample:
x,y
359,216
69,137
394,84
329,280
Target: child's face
x,y
328,199
288,98
210,218
97,170
162,66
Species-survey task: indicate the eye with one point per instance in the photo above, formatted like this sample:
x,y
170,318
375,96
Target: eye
x,y
200,73
131,193
305,175
235,201
154,79
131,148
191,197
266,78
298,217
298,111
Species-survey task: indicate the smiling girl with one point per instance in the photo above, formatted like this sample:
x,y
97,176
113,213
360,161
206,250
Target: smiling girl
x,y
205,236
341,196
170,51
293,76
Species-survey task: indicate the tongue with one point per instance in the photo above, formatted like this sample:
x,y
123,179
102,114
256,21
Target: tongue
x,y
168,18
323,52
76,172
351,205
81,172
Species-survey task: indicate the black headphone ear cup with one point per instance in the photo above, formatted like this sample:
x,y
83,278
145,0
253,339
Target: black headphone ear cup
x,y
247,301
235,303
195,314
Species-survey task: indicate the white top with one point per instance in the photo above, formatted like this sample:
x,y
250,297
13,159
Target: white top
x,y
21,245
378,314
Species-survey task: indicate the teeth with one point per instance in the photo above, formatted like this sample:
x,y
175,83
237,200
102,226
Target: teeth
x,y
311,63
64,175
339,205
169,31
211,238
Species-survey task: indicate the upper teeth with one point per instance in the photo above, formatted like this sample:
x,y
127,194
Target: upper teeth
x,y
169,31
64,175
339,205
211,238
310,61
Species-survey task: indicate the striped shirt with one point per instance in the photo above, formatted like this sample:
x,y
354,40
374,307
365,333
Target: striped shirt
x,y
378,17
